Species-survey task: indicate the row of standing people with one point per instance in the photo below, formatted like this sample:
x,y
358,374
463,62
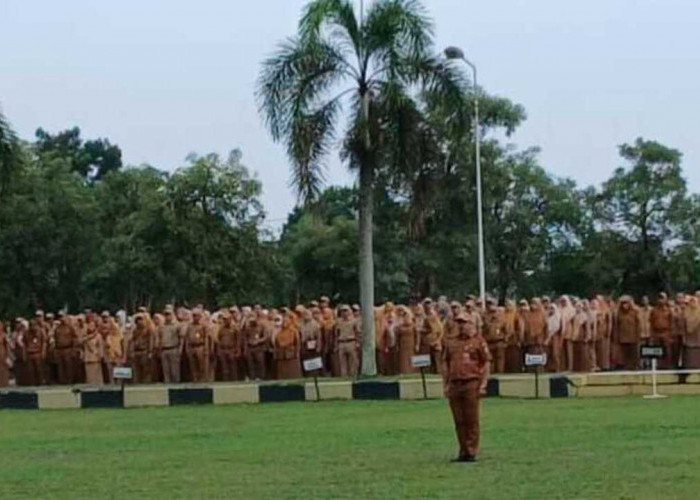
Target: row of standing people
x,y
577,334
255,343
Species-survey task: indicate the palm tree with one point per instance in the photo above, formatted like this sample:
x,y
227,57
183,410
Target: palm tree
x,y
373,70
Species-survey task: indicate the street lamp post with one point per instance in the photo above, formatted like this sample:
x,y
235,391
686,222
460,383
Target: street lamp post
x,y
457,53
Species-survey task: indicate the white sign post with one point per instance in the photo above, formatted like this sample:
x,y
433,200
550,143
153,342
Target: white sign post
x,y
313,365
122,373
422,361
538,361
654,353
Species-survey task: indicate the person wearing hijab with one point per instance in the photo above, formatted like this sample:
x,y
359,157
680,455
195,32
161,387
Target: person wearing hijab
x,y
535,328
660,323
93,352
311,337
287,349
513,338
431,336
604,331
113,345
627,333
592,336
567,312
579,336
381,315
553,343
691,333
494,334
406,339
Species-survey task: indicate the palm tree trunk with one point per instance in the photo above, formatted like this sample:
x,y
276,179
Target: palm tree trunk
x,y
369,366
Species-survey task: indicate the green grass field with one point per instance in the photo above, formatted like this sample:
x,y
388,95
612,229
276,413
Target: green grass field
x,y
593,448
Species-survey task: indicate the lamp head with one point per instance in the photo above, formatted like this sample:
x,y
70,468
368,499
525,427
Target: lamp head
x,y
454,53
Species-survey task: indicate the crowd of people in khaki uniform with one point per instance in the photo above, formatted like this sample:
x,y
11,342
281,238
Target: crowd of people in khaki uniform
x,y
253,343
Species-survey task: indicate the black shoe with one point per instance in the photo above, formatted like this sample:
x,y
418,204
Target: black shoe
x,y
458,460
470,458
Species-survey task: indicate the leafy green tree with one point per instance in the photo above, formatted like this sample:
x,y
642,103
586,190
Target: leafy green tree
x,y
371,66
91,159
10,155
647,206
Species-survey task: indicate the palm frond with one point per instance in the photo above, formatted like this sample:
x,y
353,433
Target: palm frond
x,y
308,142
335,16
396,31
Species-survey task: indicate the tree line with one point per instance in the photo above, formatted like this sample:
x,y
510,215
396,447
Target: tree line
x,y
79,229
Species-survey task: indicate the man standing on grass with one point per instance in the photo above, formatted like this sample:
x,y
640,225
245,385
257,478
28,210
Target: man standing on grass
x,y
466,361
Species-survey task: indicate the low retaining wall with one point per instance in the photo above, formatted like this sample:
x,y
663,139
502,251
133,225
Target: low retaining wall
x,y
516,386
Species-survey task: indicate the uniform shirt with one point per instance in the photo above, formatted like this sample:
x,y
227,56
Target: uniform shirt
x,y
535,327
347,330
93,347
169,336
196,335
141,339
114,351
227,337
660,320
431,330
254,334
310,335
33,341
466,359
64,336
494,323
628,327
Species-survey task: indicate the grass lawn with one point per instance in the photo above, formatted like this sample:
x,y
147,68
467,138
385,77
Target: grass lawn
x,y
592,448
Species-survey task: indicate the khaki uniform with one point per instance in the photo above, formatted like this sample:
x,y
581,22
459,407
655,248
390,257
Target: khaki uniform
x,y
34,356
228,351
142,347
170,346
660,324
494,334
114,351
466,360
346,342
255,340
286,350
627,332
311,341
431,334
93,348
196,338
65,342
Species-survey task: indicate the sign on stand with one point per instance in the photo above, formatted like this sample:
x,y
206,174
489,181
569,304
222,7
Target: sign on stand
x,y
313,365
538,361
122,373
422,361
654,353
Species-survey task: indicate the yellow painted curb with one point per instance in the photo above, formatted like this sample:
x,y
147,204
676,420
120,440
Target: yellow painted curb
x,y
235,393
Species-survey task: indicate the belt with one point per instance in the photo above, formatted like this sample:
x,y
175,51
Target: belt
x,y
344,341
168,348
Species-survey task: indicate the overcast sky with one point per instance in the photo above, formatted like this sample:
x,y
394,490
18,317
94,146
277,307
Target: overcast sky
x,y
163,78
